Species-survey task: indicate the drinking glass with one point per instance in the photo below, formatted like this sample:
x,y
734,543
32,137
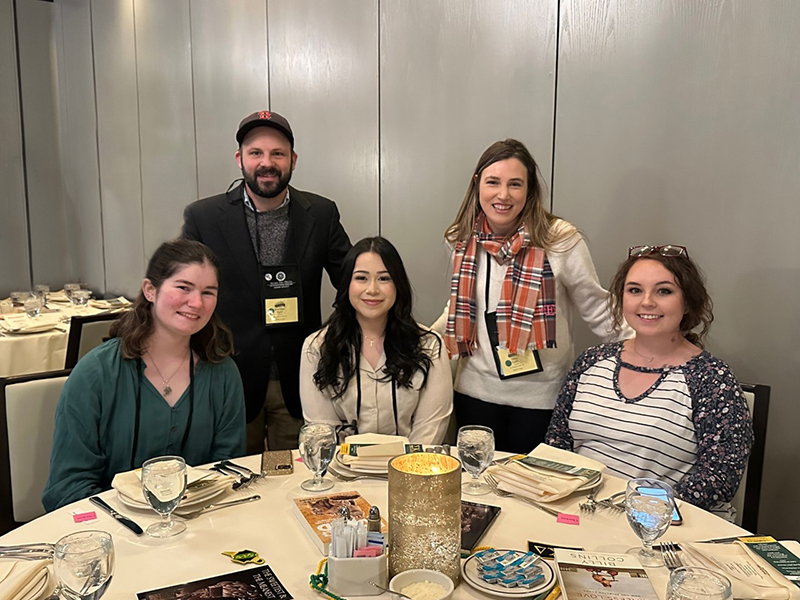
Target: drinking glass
x,y
81,297
83,563
476,451
32,306
40,291
18,298
648,505
163,484
317,444
69,288
696,583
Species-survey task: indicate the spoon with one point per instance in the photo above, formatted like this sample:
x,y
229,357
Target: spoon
x,y
391,591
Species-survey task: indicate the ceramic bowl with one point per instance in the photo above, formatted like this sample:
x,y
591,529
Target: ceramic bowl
x,y
406,578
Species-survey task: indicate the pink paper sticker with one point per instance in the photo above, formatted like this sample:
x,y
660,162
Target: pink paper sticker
x,y
299,459
568,519
82,517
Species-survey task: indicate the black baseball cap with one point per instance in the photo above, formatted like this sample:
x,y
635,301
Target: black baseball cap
x,y
264,118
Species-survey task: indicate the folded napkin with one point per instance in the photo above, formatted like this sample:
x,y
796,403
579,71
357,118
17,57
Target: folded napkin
x,y
59,296
530,476
201,484
371,450
25,324
20,579
111,303
751,576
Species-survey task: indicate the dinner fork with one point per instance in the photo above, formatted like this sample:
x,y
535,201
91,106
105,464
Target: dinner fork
x,y
349,478
248,474
611,503
669,551
495,485
196,513
27,551
240,479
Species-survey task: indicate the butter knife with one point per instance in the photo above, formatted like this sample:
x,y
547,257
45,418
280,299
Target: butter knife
x,y
96,500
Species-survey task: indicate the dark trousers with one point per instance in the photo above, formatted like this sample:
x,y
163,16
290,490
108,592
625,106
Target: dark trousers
x,y
517,430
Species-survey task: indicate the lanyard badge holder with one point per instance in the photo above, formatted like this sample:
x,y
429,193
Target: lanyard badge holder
x,y
507,363
282,294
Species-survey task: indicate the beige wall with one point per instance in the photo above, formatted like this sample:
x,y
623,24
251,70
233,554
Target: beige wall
x,y
661,122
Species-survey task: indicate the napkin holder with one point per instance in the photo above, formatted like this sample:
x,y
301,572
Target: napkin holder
x,y
352,576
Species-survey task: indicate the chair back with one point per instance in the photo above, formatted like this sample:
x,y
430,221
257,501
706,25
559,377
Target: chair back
x,y
85,333
27,420
748,496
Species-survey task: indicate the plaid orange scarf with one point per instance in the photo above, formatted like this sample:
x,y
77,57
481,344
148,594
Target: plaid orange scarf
x,y
527,298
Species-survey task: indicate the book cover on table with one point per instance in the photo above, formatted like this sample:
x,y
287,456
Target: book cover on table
x,y
602,576
316,513
258,583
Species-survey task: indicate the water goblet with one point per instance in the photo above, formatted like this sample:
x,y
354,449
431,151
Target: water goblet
x,y
317,443
697,583
649,504
476,451
83,563
18,298
32,306
41,290
81,297
163,484
69,288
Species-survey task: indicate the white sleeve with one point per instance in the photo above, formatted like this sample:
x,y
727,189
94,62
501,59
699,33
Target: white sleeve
x,y
577,274
440,324
432,416
317,405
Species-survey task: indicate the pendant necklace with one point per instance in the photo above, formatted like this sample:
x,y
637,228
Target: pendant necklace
x,y
166,390
371,340
649,359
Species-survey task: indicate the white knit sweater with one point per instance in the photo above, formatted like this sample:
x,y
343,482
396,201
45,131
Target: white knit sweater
x,y
578,290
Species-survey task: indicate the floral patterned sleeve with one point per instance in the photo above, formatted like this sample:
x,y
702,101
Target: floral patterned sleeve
x,y
724,432
558,433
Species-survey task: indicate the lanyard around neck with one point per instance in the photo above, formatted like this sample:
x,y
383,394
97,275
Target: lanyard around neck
x,y
358,400
137,416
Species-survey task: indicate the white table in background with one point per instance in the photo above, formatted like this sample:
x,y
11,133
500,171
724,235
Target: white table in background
x,y
269,527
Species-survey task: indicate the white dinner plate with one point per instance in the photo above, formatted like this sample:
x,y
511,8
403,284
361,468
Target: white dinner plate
x,y
590,485
196,502
470,571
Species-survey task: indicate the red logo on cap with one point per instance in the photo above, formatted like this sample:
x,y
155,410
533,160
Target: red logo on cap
x,y
265,114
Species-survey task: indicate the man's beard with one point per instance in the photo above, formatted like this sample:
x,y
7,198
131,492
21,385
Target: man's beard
x,y
268,189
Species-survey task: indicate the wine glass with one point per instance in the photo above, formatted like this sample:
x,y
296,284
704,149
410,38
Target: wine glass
x,y
69,288
81,297
476,451
317,444
163,484
649,504
40,291
696,583
83,563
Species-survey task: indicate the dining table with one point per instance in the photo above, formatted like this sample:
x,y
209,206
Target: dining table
x,y
270,528
25,352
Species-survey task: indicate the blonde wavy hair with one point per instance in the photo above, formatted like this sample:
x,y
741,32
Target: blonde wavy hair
x,y
540,221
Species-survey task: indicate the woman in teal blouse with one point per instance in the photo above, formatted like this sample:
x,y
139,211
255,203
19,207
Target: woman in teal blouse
x,y
163,385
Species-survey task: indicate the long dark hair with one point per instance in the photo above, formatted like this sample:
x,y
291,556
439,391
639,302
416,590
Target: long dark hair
x,y
403,342
697,303
212,343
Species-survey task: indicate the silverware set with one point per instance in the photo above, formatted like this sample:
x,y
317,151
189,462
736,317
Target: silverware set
x,y
669,552
495,485
27,551
244,476
348,478
196,513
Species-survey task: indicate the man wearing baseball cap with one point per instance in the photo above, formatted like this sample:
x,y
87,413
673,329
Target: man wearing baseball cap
x,y
272,241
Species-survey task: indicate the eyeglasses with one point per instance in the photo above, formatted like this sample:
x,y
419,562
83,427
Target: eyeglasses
x,y
666,250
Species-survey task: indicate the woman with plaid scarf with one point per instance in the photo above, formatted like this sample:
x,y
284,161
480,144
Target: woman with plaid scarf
x,y
520,274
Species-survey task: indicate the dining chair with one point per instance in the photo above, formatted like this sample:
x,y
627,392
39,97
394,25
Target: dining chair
x,y
748,496
85,333
27,419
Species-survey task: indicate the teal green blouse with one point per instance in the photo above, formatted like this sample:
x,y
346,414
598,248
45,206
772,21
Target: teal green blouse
x,y
95,418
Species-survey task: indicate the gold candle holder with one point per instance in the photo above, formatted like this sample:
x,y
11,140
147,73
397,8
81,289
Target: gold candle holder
x,y
425,514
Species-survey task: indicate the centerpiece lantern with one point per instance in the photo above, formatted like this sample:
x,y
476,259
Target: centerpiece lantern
x,y
425,513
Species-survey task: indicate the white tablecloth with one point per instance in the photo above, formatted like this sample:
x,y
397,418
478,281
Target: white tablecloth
x,y
24,353
269,527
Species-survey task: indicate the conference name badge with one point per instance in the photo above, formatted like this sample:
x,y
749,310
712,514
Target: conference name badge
x,y
518,364
280,310
282,295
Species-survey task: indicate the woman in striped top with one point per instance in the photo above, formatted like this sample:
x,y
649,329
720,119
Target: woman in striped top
x,y
658,405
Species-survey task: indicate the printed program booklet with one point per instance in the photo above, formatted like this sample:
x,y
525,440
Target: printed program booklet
x,y
602,576
475,520
316,514
258,583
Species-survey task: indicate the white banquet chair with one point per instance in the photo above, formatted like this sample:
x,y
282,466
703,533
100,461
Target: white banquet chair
x,y
27,420
87,332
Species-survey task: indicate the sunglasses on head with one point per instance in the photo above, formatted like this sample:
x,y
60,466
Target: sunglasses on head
x,y
666,250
